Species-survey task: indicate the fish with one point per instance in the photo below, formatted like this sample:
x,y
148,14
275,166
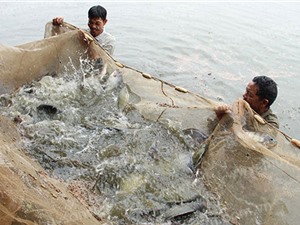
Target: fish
x,y
45,111
48,109
198,155
114,80
262,138
196,134
103,71
153,151
185,209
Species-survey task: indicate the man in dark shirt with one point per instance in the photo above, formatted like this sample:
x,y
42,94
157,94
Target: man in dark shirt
x,y
260,94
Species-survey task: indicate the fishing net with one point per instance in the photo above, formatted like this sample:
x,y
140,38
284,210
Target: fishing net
x,y
27,193
257,180
251,167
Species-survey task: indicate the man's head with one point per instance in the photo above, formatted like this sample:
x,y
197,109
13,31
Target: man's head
x,y
260,93
97,20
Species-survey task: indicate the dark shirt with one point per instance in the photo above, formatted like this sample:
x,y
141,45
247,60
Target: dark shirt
x,y
271,118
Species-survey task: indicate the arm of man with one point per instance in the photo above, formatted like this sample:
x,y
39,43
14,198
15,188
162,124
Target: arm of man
x,y
271,118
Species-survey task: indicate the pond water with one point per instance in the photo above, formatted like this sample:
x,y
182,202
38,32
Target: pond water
x,y
213,49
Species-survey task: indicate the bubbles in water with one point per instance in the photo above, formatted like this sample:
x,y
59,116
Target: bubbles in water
x,y
73,126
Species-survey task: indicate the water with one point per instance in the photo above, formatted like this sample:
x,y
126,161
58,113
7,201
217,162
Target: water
x,y
213,49
136,170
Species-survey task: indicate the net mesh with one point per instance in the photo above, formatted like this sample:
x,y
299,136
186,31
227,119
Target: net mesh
x,y
251,166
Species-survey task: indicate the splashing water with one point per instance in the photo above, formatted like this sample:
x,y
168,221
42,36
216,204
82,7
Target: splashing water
x,y
138,170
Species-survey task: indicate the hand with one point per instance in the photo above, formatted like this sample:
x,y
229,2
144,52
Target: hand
x,y
57,21
222,110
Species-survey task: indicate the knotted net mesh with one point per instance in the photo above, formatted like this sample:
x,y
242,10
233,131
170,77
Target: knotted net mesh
x,y
252,167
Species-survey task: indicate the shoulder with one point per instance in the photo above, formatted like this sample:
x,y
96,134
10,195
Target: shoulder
x,y
271,118
106,37
107,41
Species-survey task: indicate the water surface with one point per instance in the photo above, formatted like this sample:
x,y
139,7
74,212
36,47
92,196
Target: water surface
x,y
213,49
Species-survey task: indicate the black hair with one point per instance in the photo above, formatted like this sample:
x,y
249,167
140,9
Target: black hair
x,y
97,11
267,88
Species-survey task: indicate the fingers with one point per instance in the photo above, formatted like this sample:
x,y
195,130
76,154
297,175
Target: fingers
x,y
57,21
222,110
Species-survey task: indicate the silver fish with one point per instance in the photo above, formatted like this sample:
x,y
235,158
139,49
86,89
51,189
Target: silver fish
x,y
196,134
103,71
262,138
114,80
181,210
